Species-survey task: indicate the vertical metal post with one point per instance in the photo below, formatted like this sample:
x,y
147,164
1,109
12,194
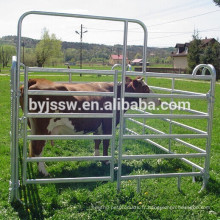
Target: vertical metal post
x,y
14,182
193,178
209,128
144,65
24,159
171,112
121,107
70,77
15,77
17,104
145,51
115,88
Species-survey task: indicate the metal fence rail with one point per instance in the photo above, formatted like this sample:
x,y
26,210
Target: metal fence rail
x,y
15,120
173,93
68,137
195,114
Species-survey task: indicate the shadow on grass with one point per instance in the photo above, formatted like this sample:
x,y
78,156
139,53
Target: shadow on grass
x,y
85,170
213,187
30,205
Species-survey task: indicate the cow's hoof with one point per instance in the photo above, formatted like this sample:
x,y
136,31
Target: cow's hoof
x,y
42,169
96,154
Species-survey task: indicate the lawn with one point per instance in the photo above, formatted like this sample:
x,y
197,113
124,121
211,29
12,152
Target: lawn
x,y
158,199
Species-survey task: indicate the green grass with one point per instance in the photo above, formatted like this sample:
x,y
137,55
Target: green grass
x,y
159,198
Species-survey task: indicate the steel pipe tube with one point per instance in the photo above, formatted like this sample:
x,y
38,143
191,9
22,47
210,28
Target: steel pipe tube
x,y
68,180
68,137
60,159
68,93
164,175
69,115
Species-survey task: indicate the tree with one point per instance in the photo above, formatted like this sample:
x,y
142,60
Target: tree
x,y
217,2
30,57
194,53
211,55
138,56
6,53
49,47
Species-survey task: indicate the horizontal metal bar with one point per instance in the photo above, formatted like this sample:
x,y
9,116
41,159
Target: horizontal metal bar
x,y
183,159
68,180
160,175
145,126
165,116
188,110
68,137
169,75
60,159
190,145
69,115
157,156
163,136
175,139
170,121
93,17
188,127
175,90
173,122
167,151
192,111
63,82
158,95
68,71
69,93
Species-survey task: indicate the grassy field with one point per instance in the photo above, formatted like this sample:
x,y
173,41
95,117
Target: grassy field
x,y
159,198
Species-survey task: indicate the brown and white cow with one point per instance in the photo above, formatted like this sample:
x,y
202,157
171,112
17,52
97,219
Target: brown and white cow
x,y
64,126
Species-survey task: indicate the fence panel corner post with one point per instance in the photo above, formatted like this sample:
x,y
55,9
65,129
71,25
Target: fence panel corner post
x,y
14,181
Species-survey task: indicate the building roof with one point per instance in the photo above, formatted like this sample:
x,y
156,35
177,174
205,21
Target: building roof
x,y
182,47
117,57
136,61
179,45
206,41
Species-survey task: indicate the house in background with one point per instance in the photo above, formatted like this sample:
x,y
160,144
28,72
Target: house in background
x,y
180,56
116,59
138,62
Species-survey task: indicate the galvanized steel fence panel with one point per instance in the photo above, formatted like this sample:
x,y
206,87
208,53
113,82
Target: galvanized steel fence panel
x,y
174,93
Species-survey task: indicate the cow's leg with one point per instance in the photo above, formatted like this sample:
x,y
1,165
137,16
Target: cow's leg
x,y
105,147
97,143
36,150
105,150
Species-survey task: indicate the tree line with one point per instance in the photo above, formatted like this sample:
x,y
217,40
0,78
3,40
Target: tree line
x,y
50,51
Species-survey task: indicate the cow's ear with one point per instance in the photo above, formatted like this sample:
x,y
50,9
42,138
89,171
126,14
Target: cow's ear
x,y
128,79
135,83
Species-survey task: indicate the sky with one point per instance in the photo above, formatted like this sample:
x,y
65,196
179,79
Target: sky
x,y
168,21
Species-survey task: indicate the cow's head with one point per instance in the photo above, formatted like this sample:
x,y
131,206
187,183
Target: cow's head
x,y
139,86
